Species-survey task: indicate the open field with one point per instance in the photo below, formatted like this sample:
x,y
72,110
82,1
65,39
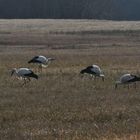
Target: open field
x,y
62,104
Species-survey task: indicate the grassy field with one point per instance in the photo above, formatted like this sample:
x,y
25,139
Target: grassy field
x,y
63,105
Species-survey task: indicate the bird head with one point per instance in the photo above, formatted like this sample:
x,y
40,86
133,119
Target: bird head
x,y
13,71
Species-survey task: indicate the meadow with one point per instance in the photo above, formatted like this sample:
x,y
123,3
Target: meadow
x,y
62,104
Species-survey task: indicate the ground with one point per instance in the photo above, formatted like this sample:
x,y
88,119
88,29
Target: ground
x,y
63,104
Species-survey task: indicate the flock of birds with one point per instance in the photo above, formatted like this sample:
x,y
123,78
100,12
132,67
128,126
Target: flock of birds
x,y
95,71
26,74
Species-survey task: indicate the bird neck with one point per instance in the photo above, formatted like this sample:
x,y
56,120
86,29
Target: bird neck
x,y
49,59
16,71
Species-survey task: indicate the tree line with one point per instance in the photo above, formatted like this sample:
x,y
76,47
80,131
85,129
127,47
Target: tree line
x,y
71,9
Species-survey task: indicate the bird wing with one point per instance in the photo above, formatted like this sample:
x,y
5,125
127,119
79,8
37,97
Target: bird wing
x,y
36,57
34,60
96,69
126,78
90,70
89,67
24,71
31,74
42,59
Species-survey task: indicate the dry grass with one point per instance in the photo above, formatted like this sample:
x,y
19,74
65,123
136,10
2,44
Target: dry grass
x,y
62,104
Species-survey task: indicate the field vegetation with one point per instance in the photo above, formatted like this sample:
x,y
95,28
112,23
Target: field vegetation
x,y
62,104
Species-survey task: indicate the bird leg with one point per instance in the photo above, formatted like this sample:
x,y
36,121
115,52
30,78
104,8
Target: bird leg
x,y
116,86
39,69
128,86
28,80
92,76
103,79
24,83
95,78
124,86
36,69
135,85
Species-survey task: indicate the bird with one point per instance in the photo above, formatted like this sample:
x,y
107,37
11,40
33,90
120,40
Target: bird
x,y
127,79
24,74
41,60
93,70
